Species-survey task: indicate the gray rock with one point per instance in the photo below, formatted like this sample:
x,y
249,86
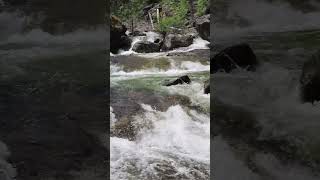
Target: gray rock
x,y
203,26
146,47
240,55
173,41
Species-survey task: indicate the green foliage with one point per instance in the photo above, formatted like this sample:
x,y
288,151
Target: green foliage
x,y
176,11
179,9
129,10
168,22
201,7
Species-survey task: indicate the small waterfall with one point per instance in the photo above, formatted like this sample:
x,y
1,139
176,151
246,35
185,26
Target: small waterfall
x,y
198,43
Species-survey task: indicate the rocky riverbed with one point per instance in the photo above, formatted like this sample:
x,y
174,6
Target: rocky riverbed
x,y
160,123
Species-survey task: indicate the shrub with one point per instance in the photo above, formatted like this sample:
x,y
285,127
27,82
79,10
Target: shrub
x,y
201,7
178,19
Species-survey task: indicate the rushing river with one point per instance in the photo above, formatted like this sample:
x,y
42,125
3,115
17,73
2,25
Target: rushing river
x,y
35,59
284,141
171,125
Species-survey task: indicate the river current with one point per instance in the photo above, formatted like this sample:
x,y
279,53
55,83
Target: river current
x,y
172,137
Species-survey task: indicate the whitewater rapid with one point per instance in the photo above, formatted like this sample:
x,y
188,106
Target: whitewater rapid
x,y
174,143
198,43
177,146
170,144
282,38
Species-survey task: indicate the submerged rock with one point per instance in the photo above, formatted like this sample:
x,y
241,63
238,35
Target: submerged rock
x,y
173,41
118,37
180,80
146,47
203,26
233,57
310,79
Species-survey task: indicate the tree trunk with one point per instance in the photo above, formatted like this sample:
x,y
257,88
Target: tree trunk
x,y
132,27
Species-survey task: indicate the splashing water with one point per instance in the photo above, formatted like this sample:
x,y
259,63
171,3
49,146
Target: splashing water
x,y
176,146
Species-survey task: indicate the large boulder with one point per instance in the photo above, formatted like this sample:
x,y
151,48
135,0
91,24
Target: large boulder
x,y
137,33
310,79
118,37
180,80
203,26
238,56
173,41
154,37
146,47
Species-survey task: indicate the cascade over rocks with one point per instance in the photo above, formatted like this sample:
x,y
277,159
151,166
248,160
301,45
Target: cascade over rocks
x,y
203,26
173,41
180,80
240,55
310,79
118,37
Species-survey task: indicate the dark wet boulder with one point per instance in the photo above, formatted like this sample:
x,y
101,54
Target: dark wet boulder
x,y
172,41
137,33
238,56
118,37
146,47
310,79
203,26
180,80
207,87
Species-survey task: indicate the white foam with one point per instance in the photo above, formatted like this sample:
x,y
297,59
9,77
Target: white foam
x,y
113,118
198,43
195,91
175,69
272,95
178,140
